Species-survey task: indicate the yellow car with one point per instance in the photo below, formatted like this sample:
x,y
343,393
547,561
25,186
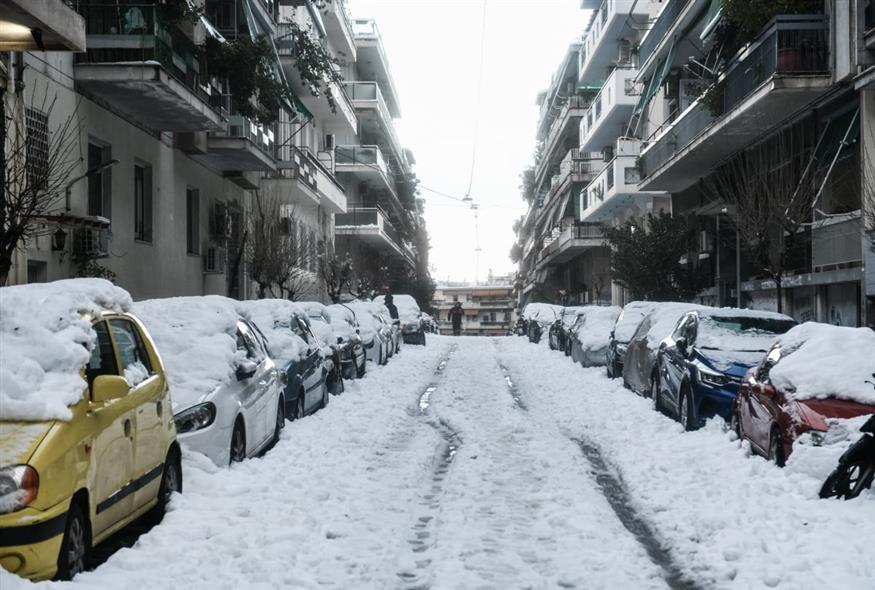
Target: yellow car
x,y
65,486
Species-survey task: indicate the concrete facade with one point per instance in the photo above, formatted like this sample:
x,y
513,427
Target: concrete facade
x,y
489,309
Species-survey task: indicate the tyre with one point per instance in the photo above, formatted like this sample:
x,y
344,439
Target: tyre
x,y
238,442
76,544
300,408
655,398
849,480
776,448
360,369
609,369
171,481
422,338
280,419
685,411
734,422
326,396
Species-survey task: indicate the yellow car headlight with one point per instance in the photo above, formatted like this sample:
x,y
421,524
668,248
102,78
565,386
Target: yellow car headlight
x,y
19,485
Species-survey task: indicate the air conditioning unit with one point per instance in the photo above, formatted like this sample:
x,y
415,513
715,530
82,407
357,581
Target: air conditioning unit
x,y
92,242
214,260
330,142
222,222
608,153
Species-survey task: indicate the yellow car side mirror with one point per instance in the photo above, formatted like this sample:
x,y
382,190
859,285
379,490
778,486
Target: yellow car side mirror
x,y
108,387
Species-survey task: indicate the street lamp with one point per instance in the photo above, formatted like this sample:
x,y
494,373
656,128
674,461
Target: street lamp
x,y
88,173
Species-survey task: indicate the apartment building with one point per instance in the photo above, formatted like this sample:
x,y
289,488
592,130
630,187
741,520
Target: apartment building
x,y
806,77
489,309
168,173
586,173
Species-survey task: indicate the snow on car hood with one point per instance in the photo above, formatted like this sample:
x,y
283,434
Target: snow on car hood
x,y
544,313
408,308
594,331
197,340
732,362
273,317
46,339
629,319
343,320
820,360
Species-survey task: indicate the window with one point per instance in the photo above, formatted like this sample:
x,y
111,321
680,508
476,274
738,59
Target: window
x,y
99,183
142,203
251,345
102,360
37,149
192,221
131,351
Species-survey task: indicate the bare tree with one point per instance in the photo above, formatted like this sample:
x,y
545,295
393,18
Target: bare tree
x,y
335,272
277,258
35,167
774,188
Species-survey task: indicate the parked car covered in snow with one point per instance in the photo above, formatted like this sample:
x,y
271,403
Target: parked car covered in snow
x,y
639,362
296,352
627,322
87,439
590,334
560,330
813,377
341,336
228,400
701,364
411,318
539,317
374,340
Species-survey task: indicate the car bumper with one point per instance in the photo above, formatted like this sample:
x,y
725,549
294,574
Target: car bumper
x,y
715,401
214,441
30,541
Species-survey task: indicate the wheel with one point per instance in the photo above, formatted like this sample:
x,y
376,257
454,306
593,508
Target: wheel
x,y
300,408
422,338
734,423
849,480
238,443
171,481
280,418
360,369
776,448
325,396
654,393
685,412
75,545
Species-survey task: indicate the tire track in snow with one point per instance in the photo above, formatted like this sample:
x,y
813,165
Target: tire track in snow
x,y
424,528
614,490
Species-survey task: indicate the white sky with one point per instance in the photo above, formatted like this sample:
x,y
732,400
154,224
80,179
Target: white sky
x,y
433,48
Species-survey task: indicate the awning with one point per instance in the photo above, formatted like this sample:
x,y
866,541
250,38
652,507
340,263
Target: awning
x,y
712,17
212,31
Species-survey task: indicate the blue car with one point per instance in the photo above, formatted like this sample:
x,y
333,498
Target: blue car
x,y
701,364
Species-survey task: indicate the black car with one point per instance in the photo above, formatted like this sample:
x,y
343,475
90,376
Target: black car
x,y
621,334
349,352
560,330
308,376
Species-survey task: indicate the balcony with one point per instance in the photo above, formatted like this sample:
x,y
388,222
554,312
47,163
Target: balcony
x,y
613,21
373,113
307,179
571,242
372,63
784,70
615,189
566,123
62,29
562,86
338,28
342,120
575,168
608,115
372,226
146,69
243,146
367,164
672,29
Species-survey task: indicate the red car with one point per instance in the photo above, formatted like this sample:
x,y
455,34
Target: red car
x,y
771,418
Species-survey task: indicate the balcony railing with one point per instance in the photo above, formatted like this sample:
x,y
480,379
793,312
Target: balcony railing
x,y
260,135
364,93
361,155
139,33
788,46
660,28
371,217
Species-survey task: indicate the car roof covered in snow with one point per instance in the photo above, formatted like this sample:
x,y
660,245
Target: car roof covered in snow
x,y
45,339
273,318
542,312
593,331
630,318
408,308
821,360
663,318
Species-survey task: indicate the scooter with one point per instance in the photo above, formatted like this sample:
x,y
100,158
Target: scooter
x,y
856,467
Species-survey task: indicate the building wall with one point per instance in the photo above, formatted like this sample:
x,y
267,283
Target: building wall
x,y
489,310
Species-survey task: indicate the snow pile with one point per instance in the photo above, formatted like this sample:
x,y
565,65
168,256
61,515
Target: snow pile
x,y
740,329
408,309
630,318
595,330
542,312
273,317
45,341
821,360
197,340
364,315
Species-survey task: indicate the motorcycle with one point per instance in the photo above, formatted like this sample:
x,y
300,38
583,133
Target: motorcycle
x,y
521,328
856,468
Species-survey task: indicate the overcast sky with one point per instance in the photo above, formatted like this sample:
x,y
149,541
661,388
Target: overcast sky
x,y
433,48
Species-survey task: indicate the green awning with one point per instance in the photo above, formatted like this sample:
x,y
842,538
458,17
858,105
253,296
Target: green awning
x,y
661,72
712,17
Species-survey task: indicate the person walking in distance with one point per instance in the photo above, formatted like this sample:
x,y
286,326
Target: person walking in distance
x,y
455,316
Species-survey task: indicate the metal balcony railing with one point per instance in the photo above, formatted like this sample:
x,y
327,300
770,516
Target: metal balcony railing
x,y
788,46
140,33
368,216
663,23
261,136
361,155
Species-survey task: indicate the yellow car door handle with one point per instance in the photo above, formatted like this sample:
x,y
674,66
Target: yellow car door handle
x,y
128,428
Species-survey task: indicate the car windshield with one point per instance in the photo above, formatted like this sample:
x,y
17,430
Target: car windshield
x,y
741,333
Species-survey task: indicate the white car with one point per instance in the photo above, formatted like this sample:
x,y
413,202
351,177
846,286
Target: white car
x,y
227,394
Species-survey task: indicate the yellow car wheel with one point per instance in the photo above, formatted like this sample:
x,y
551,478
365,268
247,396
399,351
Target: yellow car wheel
x,y
171,481
76,544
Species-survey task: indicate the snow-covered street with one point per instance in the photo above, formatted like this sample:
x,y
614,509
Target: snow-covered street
x,y
495,463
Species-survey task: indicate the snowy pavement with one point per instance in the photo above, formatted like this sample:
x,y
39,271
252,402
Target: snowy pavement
x,y
494,463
